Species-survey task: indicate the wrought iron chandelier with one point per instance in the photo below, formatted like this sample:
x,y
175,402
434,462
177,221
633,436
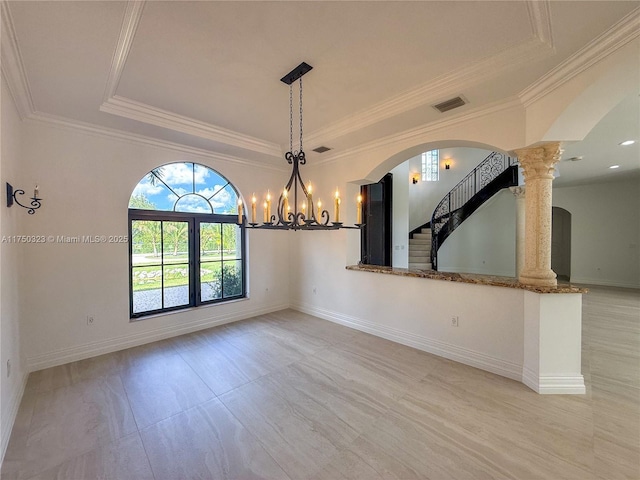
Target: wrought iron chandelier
x,y
289,214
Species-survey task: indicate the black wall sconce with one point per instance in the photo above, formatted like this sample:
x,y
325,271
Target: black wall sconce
x,y
447,164
415,177
11,198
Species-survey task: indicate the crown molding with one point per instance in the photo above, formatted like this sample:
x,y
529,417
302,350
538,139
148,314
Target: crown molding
x,y
12,65
420,132
618,35
130,21
134,110
439,89
453,82
142,112
97,130
540,46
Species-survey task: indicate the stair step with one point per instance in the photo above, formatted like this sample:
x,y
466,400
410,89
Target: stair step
x,y
426,230
422,236
419,241
419,266
419,259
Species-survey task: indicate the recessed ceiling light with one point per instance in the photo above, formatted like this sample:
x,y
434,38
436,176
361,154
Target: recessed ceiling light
x,y
614,166
627,142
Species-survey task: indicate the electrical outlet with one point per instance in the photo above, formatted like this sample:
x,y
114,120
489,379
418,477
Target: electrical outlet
x,y
455,321
90,319
8,368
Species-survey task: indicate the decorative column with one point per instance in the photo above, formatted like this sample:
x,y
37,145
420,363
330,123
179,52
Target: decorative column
x,y
519,193
538,165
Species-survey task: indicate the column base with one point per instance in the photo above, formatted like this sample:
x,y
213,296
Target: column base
x,y
552,359
554,385
541,278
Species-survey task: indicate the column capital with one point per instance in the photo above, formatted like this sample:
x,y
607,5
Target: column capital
x,y
539,162
518,192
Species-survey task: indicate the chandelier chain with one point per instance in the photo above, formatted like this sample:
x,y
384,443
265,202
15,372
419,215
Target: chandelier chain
x,y
291,118
301,114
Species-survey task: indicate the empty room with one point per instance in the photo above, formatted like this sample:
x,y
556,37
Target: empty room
x,y
320,240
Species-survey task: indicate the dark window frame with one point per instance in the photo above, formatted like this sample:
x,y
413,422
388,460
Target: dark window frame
x,y
194,220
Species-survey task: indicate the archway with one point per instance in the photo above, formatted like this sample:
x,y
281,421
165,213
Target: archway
x,y
415,198
400,157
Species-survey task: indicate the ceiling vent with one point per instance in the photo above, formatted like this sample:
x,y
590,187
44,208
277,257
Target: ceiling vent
x,y
450,104
321,149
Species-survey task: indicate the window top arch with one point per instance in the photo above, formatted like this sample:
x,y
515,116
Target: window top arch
x,y
185,187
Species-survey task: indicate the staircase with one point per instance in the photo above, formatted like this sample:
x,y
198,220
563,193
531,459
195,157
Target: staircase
x,y
420,250
494,173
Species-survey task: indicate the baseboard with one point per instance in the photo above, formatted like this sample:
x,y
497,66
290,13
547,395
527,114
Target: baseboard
x,y
7,425
530,379
80,352
554,385
442,349
604,283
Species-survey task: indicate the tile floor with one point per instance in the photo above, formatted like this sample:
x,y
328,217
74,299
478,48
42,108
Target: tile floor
x,y
290,396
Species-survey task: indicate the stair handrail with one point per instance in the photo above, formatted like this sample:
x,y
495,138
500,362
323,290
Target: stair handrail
x,y
481,176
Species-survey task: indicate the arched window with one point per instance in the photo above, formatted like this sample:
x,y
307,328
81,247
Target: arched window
x,y
186,246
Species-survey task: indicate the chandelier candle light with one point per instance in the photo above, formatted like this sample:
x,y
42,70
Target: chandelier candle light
x,y
305,215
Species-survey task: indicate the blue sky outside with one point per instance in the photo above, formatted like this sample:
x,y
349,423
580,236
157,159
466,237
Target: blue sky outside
x,y
190,182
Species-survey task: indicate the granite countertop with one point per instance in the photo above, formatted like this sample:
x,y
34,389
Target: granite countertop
x,y
495,281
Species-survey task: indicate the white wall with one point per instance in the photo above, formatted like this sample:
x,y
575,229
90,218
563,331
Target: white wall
x,y
485,243
86,180
605,232
11,387
414,311
400,216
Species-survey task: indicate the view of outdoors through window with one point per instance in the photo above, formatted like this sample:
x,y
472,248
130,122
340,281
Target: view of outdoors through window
x,y
221,264
431,166
160,264
200,230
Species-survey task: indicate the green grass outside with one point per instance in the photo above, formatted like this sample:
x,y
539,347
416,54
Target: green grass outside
x,y
175,275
